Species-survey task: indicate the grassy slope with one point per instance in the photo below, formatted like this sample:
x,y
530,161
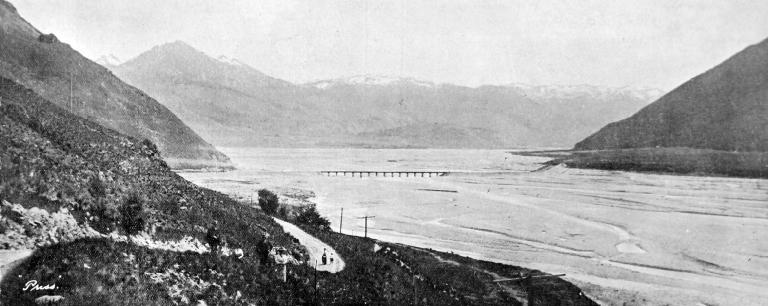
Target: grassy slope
x,y
48,157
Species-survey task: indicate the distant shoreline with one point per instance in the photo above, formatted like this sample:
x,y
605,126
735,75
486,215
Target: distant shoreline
x,y
198,165
681,161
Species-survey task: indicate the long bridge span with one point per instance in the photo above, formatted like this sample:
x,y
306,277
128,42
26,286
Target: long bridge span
x,y
370,173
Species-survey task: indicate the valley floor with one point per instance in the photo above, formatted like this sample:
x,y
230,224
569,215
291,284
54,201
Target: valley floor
x,y
634,238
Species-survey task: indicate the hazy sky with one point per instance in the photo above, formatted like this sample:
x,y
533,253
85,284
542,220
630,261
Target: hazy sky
x,y
655,43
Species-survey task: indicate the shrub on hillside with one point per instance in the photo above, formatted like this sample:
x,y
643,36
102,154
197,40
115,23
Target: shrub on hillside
x,y
132,212
104,215
97,188
151,146
283,212
171,205
309,215
268,201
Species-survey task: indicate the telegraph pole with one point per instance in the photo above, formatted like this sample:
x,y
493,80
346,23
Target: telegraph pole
x,y
366,223
415,297
70,90
341,219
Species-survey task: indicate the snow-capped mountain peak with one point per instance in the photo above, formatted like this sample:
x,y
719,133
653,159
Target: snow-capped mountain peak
x,y
229,60
566,91
109,60
371,80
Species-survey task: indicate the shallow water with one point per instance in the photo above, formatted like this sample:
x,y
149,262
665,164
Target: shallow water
x,y
622,237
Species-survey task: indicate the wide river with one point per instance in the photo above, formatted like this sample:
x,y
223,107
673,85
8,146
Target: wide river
x,y
639,239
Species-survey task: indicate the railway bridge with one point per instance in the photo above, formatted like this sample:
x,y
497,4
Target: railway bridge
x,y
370,173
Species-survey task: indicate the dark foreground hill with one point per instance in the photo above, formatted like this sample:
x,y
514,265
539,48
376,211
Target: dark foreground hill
x,y
716,123
61,75
232,104
725,108
65,182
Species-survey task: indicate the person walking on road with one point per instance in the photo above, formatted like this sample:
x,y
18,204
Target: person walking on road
x,y
324,259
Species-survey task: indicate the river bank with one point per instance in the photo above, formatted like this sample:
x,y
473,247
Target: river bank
x,y
682,161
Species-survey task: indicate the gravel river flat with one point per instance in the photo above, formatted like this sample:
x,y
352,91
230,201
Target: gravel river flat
x,y
639,239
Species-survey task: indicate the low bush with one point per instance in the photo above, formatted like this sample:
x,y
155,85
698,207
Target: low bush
x,y
132,212
104,215
150,145
170,205
284,213
97,188
268,201
308,215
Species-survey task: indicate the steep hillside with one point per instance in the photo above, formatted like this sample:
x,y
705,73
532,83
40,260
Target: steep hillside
x,y
66,188
61,75
725,108
232,104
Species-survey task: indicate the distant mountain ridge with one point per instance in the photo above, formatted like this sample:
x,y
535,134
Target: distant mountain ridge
x,y
369,80
534,91
61,75
179,62
584,90
233,104
725,108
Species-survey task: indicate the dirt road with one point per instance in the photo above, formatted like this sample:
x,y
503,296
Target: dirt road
x,y
10,258
315,247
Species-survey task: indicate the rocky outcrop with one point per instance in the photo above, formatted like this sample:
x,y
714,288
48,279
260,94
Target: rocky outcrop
x,y
35,227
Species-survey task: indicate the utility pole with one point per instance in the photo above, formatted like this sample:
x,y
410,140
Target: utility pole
x,y
341,219
70,90
366,223
415,297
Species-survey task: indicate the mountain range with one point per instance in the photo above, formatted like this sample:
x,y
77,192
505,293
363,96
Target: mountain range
x,y
725,108
63,76
232,104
